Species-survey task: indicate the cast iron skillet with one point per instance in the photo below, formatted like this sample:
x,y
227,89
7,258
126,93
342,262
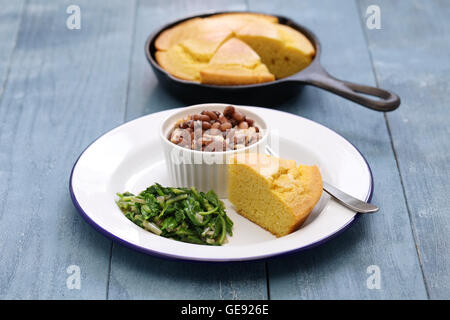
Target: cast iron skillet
x,y
276,90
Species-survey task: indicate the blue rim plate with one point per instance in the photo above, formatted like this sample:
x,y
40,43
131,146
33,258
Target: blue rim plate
x,y
129,158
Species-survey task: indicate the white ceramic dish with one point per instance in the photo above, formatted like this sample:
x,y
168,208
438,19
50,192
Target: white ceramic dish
x,y
130,158
204,170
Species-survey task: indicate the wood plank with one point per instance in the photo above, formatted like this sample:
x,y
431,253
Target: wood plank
x,y
411,55
134,275
138,276
10,18
65,88
338,269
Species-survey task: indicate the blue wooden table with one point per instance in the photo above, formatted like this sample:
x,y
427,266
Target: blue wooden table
x,y
60,88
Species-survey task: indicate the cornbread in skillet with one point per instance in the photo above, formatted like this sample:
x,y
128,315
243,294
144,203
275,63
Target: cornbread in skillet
x,y
274,193
188,50
235,63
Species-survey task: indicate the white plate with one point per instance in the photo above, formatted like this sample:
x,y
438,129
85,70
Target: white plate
x,y
130,158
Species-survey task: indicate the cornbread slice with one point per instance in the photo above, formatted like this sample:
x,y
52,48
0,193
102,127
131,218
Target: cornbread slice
x,y
235,63
203,47
236,52
272,192
297,52
283,50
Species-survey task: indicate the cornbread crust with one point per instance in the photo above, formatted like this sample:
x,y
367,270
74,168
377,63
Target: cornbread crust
x,y
235,75
272,192
282,49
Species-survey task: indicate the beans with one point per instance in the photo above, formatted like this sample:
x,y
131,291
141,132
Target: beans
x,y
228,112
206,125
225,126
238,116
201,117
210,114
229,130
223,119
243,125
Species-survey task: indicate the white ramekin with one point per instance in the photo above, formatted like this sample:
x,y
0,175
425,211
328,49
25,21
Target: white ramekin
x,y
204,170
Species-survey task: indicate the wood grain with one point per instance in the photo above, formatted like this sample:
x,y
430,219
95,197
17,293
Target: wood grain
x,y
134,275
338,269
65,87
411,54
10,18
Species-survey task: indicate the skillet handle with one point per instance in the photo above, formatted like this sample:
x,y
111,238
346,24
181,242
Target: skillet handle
x,y
319,77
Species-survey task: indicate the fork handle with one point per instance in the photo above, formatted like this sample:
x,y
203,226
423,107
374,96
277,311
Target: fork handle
x,y
348,201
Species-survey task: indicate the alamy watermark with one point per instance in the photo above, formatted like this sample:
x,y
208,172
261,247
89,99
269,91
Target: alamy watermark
x,y
73,281
373,17
73,21
374,280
